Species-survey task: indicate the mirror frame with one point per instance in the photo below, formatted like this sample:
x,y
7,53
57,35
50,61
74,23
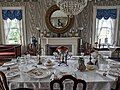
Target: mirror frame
x,y
64,29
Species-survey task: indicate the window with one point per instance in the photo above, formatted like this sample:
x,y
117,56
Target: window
x,y
105,30
106,25
12,30
12,22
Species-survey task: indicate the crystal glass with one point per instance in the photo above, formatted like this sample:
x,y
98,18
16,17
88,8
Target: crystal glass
x,y
71,7
82,54
111,49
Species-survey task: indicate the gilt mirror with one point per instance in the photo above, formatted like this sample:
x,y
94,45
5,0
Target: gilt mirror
x,y
57,21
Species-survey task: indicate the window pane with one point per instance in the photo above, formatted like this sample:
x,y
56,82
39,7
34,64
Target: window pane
x,y
104,29
12,31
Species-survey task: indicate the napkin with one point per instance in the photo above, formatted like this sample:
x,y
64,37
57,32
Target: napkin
x,y
105,74
58,74
3,68
114,72
26,68
8,64
53,76
115,65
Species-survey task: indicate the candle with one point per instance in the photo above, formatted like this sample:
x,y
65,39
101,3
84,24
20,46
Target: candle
x,y
90,40
46,40
80,41
39,40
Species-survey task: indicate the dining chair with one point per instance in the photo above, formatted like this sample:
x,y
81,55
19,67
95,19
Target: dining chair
x,y
3,82
117,84
60,82
23,89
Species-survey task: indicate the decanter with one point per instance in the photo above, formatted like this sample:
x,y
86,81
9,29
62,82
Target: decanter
x,y
82,66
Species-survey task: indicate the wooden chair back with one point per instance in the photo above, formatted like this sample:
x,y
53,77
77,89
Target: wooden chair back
x,y
60,82
23,89
3,82
118,84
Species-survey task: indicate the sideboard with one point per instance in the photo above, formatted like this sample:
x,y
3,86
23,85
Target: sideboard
x,y
9,51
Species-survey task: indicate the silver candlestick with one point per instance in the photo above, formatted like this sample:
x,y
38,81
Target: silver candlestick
x,y
39,46
90,59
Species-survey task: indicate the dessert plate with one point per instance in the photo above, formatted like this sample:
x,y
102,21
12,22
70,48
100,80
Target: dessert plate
x,y
12,73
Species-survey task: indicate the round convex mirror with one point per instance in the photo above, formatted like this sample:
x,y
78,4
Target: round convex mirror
x,y
57,21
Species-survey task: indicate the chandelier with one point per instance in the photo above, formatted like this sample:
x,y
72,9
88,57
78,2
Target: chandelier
x,y
71,7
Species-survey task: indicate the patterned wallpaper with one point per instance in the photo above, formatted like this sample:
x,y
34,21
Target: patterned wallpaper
x,y
35,17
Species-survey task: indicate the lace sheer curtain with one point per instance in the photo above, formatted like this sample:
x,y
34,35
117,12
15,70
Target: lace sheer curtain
x,y
106,23
105,30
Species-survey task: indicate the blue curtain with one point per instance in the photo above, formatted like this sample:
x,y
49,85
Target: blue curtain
x,y
12,14
106,13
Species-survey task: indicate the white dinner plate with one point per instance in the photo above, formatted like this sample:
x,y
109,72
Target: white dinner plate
x,y
38,73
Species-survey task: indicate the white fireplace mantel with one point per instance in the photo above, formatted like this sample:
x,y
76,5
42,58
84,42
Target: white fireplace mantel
x,y
61,41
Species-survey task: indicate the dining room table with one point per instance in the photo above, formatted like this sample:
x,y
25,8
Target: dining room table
x,y
25,72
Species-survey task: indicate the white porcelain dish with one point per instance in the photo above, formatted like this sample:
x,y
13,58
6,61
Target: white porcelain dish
x,y
38,73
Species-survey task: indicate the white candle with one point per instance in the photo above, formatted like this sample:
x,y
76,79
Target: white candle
x,y
90,41
39,41
46,40
80,41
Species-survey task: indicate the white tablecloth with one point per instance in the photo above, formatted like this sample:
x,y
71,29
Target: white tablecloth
x,y
95,81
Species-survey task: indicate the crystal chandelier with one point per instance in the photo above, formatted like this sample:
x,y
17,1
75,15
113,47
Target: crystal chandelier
x,y
72,7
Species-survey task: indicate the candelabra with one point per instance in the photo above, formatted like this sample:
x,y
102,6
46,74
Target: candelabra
x,y
39,47
90,62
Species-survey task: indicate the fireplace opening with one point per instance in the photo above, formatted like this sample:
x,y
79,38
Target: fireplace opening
x,y
50,49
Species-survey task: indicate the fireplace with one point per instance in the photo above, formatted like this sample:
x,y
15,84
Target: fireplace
x,y
51,48
49,45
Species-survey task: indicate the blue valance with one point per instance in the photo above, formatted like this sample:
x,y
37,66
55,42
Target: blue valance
x,y
12,14
106,13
